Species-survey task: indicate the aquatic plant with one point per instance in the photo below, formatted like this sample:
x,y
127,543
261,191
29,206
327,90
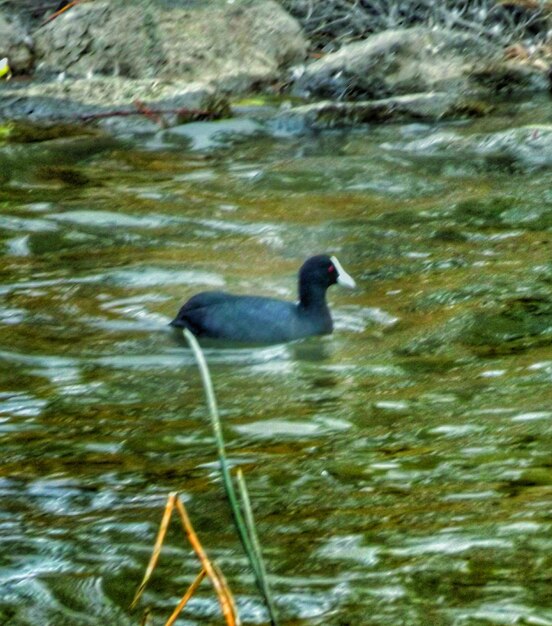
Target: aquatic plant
x,y
242,514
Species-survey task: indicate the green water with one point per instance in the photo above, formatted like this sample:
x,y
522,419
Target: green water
x,y
400,469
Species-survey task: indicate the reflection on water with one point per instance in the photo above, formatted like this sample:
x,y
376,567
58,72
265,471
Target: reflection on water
x,y
406,457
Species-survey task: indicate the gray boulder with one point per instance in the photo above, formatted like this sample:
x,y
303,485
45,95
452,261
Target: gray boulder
x,y
109,62
412,60
236,45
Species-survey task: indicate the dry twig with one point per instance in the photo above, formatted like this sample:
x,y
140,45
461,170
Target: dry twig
x,y
208,568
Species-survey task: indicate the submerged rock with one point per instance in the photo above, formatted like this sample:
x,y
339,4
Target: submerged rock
x,y
514,325
517,325
53,158
528,146
209,135
501,212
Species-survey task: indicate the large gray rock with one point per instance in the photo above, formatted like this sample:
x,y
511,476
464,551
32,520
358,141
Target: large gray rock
x,y
237,45
95,38
15,44
98,59
412,60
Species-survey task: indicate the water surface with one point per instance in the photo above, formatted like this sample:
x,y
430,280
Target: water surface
x,y
400,469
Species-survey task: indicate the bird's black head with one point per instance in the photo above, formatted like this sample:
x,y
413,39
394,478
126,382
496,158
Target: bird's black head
x,y
318,273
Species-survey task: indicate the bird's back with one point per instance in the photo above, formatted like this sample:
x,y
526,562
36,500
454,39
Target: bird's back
x,y
250,319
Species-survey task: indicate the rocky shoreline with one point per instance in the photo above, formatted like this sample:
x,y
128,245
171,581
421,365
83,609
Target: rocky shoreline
x,y
129,70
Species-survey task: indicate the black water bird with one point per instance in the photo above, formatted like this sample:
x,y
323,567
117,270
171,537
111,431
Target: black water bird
x,y
260,320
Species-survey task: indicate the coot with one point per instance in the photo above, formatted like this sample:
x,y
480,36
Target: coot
x,y
259,320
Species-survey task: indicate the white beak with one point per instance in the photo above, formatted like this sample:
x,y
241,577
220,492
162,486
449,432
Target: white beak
x,y
342,277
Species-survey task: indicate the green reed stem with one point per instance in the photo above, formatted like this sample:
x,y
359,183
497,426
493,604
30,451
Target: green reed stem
x,y
247,536
254,537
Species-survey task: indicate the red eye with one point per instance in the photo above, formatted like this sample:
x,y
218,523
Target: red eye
x,y
331,269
